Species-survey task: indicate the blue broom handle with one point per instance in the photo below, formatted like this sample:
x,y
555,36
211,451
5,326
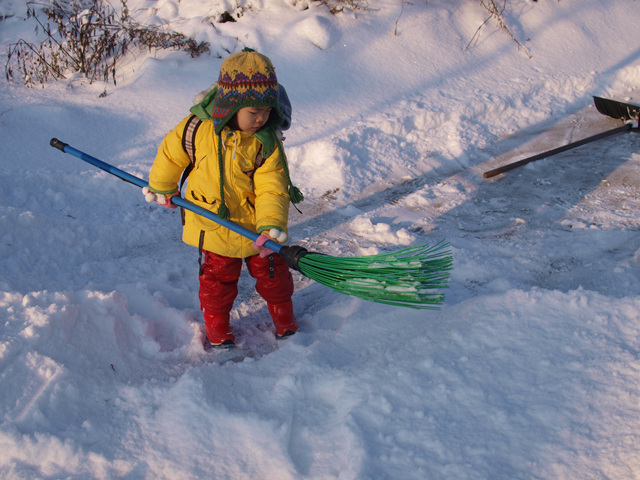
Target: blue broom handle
x,y
176,200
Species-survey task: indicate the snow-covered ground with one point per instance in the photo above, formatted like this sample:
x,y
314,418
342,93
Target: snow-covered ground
x,y
531,369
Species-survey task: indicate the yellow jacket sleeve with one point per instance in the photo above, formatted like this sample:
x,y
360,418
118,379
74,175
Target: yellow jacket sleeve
x,y
170,161
272,197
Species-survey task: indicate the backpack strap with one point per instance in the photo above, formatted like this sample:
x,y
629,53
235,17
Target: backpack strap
x,y
189,143
189,146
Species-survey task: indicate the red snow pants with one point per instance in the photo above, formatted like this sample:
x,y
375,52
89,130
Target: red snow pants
x,y
219,287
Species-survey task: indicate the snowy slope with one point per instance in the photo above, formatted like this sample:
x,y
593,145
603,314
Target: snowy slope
x,y
529,370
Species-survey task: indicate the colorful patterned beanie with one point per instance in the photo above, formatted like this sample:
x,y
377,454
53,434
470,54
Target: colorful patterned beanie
x,y
247,79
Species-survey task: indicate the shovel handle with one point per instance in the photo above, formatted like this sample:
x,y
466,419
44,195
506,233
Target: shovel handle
x,y
505,168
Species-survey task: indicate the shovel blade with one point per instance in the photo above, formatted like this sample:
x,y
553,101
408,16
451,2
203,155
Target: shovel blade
x,y
616,109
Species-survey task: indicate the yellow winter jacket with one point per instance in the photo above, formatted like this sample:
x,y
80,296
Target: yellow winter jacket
x,y
255,203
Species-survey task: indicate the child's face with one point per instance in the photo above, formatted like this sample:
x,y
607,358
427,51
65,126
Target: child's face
x,y
252,119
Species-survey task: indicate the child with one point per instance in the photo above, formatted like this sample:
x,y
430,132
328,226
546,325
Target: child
x,y
240,173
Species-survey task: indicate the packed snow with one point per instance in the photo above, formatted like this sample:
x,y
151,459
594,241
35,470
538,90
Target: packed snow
x,y
530,369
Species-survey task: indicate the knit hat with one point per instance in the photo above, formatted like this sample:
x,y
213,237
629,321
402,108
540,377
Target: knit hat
x,y
247,79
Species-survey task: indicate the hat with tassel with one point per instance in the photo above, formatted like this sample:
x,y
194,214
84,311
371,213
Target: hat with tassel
x,y
247,79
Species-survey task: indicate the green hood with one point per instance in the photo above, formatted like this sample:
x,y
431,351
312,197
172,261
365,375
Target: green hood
x,y
265,136
202,110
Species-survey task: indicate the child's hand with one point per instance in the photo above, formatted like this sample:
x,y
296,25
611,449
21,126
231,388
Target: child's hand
x,y
160,198
274,234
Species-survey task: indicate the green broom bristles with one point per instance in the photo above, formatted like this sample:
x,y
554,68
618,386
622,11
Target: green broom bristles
x,y
405,278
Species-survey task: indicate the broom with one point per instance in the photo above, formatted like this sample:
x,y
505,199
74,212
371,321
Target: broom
x,y
409,277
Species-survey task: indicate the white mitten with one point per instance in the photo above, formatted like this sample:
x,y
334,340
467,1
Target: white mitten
x,y
160,198
277,235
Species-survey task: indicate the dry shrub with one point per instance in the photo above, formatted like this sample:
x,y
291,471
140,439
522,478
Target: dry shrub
x,y
89,38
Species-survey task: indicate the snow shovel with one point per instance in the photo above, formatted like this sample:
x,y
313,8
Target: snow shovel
x,y
612,108
406,278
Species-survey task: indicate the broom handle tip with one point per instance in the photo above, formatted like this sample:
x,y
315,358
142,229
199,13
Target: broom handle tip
x,y
58,144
